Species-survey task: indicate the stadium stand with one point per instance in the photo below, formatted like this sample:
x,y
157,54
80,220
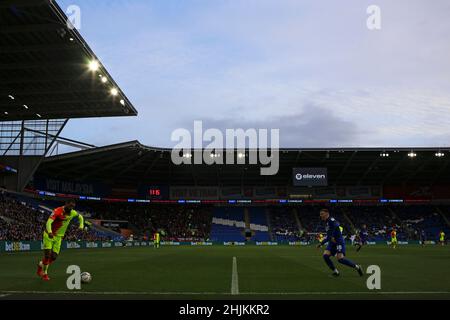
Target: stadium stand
x,y
421,217
258,224
283,224
228,224
378,219
23,218
309,217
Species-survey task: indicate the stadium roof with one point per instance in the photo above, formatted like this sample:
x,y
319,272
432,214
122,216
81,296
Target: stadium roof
x,y
44,67
131,164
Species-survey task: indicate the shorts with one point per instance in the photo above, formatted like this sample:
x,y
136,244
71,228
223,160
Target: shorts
x,y
394,240
53,244
336,248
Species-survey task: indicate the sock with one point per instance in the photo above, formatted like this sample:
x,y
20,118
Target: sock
x,y
329,263
46,263
347,262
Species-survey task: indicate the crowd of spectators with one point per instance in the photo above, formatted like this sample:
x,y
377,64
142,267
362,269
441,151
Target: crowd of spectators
x,y
310,218
174,222
283,224
21,221
379,221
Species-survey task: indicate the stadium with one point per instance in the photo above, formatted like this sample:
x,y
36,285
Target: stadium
x,y
226,231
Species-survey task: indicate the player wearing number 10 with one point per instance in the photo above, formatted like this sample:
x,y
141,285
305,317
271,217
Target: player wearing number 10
x,y
336,244
55,229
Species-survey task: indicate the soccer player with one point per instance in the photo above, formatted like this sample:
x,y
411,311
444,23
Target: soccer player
x,y
394,241
336,245
423,237
156,239
55,229
442,237
362,237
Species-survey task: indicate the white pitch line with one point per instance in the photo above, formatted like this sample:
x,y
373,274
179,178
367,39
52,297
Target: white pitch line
x,y
234,278
8,293
345,293
115,292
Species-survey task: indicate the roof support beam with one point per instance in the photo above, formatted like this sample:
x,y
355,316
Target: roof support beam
x,y
132,165
347,164
39,47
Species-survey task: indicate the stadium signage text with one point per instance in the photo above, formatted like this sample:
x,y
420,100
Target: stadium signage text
x,y
73,245
307,177
17,246
85,188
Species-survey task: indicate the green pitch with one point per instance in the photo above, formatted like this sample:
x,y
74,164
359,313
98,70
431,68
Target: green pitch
x,y
282,272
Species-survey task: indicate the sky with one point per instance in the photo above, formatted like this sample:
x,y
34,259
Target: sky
x,y
310,68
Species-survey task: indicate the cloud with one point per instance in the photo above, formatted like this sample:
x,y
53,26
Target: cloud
x,y
294,65
306,129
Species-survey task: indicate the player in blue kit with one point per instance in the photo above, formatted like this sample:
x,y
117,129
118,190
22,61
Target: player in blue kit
x,y
336,245
423,237
363,235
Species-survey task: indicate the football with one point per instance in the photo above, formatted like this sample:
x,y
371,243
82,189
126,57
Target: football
x,y
86,277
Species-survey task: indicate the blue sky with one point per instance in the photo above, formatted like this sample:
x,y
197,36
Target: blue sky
x,y
310,68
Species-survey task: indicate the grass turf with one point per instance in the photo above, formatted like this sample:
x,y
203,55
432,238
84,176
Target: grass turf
x,y
190,272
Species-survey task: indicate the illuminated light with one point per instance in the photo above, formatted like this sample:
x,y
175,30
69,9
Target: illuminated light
x,y
93,65
71,39
241,155
187,155
6,113
439,154
11,97
412,154
38,115
25,106
214,155
104,80
114,91
122,102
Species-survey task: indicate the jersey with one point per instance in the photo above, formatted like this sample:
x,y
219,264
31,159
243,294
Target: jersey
x,y
442,236
334,234
58,222
423,235
394,234
156,237
363,235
